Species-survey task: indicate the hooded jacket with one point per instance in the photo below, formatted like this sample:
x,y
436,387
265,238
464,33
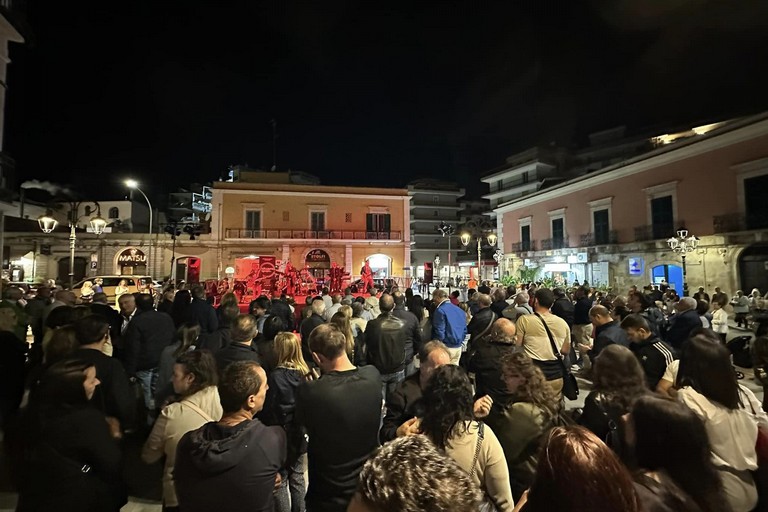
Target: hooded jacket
x,y
221,468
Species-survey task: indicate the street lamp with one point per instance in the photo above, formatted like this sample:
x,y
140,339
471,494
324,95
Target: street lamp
x,y
447,230
491,238
47,224
683,244
133,184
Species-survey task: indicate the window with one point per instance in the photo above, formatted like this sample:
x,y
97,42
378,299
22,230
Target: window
x,y
600,209
524,177
378,222
558,233
114,213
756,201
662,210
253,220
557,228
347,217
602,227
662,217
286,215
317,221
525,237
435,199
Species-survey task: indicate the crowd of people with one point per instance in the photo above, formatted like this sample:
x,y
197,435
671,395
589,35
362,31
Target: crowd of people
x,y
386,401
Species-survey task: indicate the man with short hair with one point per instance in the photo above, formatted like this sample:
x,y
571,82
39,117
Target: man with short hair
x,y
412,331
202,313
335,306
482,320
232,464
113,395
327,300
654,354
449,324
240,347
701,295
582,325
532,335
100,306
519,307
607,332
720,296
685,319
341,412
12,298
385,341
148,333
308,325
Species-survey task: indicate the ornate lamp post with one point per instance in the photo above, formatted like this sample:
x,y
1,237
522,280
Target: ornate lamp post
x,y
682,244
491,238
499,257
447,230
47,224
133,184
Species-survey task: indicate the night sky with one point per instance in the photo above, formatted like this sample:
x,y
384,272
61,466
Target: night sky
x,y
369,93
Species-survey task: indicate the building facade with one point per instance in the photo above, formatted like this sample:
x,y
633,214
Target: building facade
x,y
311,226
611,226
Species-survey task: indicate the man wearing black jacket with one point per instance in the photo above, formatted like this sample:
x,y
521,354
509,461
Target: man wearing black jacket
x,y
147,334
201,312
682,322
412,331
113,395
385,340
607,332
654,355
241,346
309,324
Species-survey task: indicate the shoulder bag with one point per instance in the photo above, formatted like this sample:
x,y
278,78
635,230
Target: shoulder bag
x,y
570,386
487,505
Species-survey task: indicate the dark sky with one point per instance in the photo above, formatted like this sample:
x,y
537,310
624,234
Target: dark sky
x,y
369,93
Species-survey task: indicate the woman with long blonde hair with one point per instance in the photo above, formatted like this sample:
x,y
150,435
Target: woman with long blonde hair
x,y
279,408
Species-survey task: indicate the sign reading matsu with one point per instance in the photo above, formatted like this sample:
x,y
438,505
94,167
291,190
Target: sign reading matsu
x,y
255,267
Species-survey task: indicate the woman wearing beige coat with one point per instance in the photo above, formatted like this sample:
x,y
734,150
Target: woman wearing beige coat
x,y
194,380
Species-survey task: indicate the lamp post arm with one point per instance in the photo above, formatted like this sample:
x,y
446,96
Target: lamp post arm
x,y
149,255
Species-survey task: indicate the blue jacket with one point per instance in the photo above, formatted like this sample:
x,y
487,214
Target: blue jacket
x,y
449,324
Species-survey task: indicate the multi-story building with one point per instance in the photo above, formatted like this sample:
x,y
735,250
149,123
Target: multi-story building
x,y
265,214
434,202
611,226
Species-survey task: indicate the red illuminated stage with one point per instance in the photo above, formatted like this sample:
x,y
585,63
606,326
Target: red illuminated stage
x,y
264,275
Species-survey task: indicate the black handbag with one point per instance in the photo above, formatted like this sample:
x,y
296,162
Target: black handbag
x,y
570,386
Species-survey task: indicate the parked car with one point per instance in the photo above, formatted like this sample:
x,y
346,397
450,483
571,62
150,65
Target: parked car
x,y
109,284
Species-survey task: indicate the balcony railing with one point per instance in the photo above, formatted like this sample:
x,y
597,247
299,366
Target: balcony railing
x,y
739,222
530,245
592,239
307,234
549,244
656,231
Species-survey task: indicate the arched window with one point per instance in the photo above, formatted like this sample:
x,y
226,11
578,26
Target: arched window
x,y
114,213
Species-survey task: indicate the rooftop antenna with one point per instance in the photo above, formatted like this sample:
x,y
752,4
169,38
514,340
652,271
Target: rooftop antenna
x,y
274,145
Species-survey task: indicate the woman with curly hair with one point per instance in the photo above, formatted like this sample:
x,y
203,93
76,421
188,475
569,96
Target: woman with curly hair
x,y
576,471
521,423
448,421
410,475
619,380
